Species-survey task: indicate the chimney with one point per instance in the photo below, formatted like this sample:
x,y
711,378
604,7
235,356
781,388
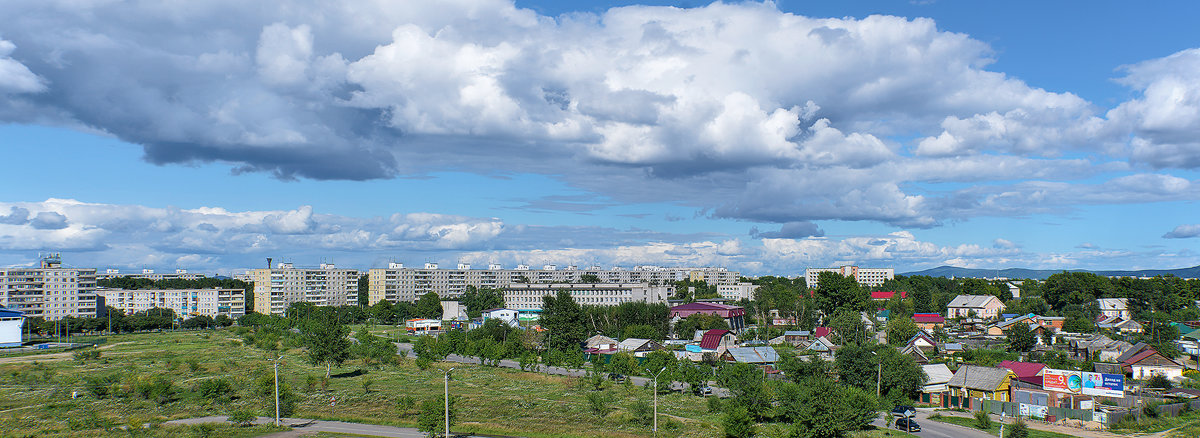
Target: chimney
x,y
268,263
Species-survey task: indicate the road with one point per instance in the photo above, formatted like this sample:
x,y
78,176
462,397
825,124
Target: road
x,y
935,429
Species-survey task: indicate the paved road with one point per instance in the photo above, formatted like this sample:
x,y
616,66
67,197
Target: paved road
x,y
506,363
935,429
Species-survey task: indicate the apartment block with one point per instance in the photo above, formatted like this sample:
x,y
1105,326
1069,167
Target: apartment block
x,y
185,302
49,291
739,291
179,274
864,276
275,289
397,283
528,296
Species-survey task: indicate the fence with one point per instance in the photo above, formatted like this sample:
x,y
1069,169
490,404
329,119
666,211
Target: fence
x,y
1014,409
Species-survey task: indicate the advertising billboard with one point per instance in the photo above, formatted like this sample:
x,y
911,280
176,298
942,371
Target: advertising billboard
x,y
1107,385
1078,382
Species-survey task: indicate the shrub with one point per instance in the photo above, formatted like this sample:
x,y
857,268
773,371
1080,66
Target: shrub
x,y
213,389
1159,381
241,417
598,403
366,385
1017,430
642,412
1151,410
714,404
101,386
405,404
193,364
85,354
159,389
983,420
737,423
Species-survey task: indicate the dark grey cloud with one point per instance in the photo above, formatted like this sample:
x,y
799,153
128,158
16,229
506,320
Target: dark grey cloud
x,y
790,230
1186,231
16,216
49,220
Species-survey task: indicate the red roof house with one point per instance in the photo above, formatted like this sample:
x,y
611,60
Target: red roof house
x,y
887,295
1023,369
821,331
712,339
929,321
733,314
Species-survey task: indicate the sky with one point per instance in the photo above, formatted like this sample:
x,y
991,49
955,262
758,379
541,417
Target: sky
x,y
762,137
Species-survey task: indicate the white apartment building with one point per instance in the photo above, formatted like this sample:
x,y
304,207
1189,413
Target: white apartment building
x,y
734,292
276,289
397,283
528,296
864,276
185,302
50,290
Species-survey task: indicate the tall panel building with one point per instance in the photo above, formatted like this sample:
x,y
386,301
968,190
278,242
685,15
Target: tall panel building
x,y
525,296
275,289
864,276
50,290
185,302
397,283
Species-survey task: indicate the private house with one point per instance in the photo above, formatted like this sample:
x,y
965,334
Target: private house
x,y
733,315
929,321
887,295
1052,322
12,322
717,340
979,382
922,341
794,337
1149,363
918,356
981,306
1023,369
1099,346
937,384
1189,343
822,332
1129,326
999,328
821,345
638,347
951,348
600,344
1118,307
751,355
507,316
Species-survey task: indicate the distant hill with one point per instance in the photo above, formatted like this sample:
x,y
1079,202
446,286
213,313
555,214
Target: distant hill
x,y
1042,274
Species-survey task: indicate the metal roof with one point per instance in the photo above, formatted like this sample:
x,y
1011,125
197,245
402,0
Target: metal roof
x,y
971,301
978,377
754,354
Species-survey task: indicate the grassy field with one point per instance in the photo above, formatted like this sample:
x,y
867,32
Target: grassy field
x,y
55,394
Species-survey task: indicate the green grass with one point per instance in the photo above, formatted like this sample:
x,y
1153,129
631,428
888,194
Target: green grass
x,y
36,394
1163,422
995,429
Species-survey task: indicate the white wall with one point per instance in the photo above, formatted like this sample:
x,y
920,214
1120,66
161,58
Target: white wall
x,y
10,331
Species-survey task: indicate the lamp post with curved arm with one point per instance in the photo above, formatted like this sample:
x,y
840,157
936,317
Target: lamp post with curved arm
x,y
655,383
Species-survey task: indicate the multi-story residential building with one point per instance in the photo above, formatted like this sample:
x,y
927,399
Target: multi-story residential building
x,y
397,283
276,289
864,276
49,291
185,302
734,292
179,274
1114,307
528,296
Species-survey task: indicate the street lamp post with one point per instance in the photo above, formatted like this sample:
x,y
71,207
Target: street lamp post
x,y
447,388
878,374
655,383
276,360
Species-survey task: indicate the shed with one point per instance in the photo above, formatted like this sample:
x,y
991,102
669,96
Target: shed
x,y
12,323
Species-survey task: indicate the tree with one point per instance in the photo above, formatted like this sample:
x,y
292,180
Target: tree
x,y
1078,325
899,372
900,330
563,320
324,338
737,423
364,291
429,306
797,369
476,300
820,408
374,349
745,381
1020,338
432,419
835,292
848,327
589,278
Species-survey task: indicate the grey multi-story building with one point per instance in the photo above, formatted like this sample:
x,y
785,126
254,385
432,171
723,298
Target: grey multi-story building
x,y
49,291
276,289
185,302
397,283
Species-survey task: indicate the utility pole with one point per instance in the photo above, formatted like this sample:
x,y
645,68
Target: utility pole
x,y
655,383
878,373
447,388
277,389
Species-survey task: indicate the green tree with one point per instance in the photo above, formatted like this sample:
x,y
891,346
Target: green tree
x,y
836,292
477,300
746,383
848,327
737,423
1020,338
589,278
374,349
432,419
324,338
820,408
364,290
563,320
429,306
900,330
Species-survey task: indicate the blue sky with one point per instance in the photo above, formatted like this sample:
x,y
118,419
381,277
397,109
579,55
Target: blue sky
x,y
767,138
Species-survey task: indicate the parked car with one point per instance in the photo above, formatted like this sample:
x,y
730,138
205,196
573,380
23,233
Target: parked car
x,y
908,425
616,377
705,391
904,411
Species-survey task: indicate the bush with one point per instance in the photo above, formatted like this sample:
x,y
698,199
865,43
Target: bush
x,y
366,384
241,417
213,389
85,354
101,386
1159,381
598,403
405,404
982,420
1017,430
193,365
737,423
642,412
1151,410
714,404
159,389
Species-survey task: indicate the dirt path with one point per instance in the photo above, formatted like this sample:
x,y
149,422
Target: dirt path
x,y
51,357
